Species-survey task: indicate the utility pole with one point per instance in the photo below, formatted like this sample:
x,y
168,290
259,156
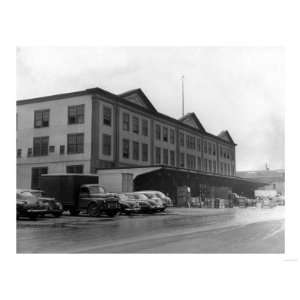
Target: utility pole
x,y
182,88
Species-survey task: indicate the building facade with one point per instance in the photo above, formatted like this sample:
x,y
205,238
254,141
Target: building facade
x,y
82,132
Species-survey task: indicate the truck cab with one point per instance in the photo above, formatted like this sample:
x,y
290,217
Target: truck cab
x,y
94,199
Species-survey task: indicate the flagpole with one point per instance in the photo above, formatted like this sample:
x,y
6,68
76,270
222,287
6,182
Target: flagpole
x,y
182,88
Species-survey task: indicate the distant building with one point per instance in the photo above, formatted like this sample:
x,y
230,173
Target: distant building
x,y
273,179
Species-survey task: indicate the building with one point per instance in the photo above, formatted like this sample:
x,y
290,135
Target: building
x,y
272,179
93,129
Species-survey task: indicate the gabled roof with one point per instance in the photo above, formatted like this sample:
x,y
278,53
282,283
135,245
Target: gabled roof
x,y
192,120
224,135
138,97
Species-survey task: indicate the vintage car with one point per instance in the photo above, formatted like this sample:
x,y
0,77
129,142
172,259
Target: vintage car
x,y
146,205
267,203
29,205
53,207
167,202
150,196
128,205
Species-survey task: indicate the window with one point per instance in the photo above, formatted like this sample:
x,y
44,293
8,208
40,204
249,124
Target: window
x,y
75,143
199,163
135,151
172,136
144,152
145,127
190,142
221,168
214,166
232,170
225,169
125,148
172,158
107,115
157,132
198,145
106,144
214,149
165,134
205,146
35,176
165,156
135,125
29,152
209,166
157,155
76,114
51,148
191,161
181,139
62,149
74,169
19,153
40,146
205,164
41,118
126,122
209,148
181,160
221,151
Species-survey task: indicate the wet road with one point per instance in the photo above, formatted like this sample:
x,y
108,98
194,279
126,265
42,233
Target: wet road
x,y
180,230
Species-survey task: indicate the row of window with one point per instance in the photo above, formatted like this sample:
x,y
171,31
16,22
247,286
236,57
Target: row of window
x,y
75,144
135,121
164,156
165,134
38,171
135,150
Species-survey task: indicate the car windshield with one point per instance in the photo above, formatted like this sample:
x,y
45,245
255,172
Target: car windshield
x,y
25,196
96,189
141,197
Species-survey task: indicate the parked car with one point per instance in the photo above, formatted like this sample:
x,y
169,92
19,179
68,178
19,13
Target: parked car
x,y
150,196
29,205
128,205
267,202
167,202
53,207
146,205
279,200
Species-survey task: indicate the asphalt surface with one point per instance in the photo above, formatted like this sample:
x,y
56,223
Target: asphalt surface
x,y
179,230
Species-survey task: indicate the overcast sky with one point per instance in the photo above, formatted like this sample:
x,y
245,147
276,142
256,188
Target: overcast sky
x,y
238,89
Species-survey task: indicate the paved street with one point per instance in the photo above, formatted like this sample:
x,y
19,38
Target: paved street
x,y
179,230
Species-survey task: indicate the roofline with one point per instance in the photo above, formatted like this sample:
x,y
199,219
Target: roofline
x,y
100,91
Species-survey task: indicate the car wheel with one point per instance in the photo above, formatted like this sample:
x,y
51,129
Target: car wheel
x,y
74,212
111,213
57,214
93,210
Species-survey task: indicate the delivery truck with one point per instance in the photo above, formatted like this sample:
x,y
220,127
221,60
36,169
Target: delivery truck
x,y
80,193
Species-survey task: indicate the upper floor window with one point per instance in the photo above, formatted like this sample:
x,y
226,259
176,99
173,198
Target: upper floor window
x,y
144,152
214,166
76,114
125,148
135,151
191,161
157,132
205,146
172,136
75,143
181,139
209,148
135,125
126,122
209,166
41,118
107,115
214,149
145,127
19,153
74,169
165,134
182,162
198,145
199,163
40,146
106,144
157,155
172,158
165,156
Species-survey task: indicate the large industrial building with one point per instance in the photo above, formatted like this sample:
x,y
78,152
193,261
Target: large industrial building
x,y
95,131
